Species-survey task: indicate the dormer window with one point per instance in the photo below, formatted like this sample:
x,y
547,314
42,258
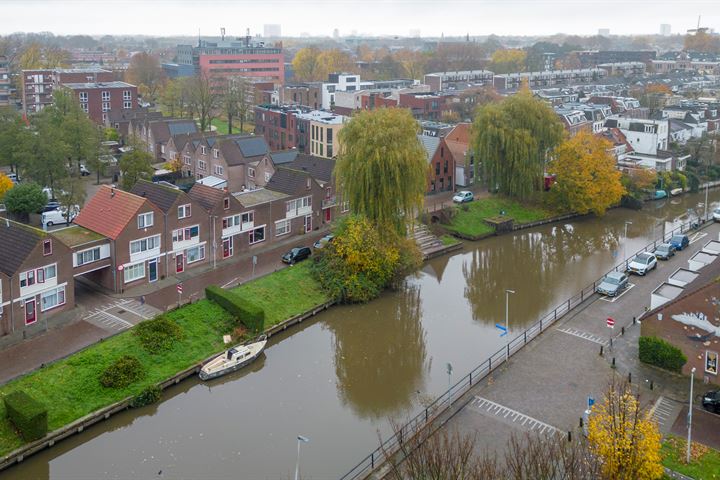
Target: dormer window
x,y
47,247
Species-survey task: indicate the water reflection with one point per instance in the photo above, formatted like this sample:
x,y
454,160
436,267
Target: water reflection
x,y
380,359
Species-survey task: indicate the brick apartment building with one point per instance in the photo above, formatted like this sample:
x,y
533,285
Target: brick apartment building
x,y
278,124
38,85
100,100
4,82
305,94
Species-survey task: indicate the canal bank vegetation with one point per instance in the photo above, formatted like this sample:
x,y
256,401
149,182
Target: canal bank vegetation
x,y
71,388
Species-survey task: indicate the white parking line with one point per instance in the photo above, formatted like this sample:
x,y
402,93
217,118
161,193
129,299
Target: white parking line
x,y
584,335
662,410
613,299
697,236
491,408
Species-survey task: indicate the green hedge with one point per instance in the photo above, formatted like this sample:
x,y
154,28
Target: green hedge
x,y
158,334
27,414
122,372
249,314
658,352
148,396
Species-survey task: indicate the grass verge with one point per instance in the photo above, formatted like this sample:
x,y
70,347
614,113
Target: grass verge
x,y
471,221
71,389
284,294
448,240
222,126
704,462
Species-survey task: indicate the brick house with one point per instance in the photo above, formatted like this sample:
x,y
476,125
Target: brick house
x,y
159,132
458,143
321,170
36,280
99,100
441,164
303,201
186,227
134,226
278,125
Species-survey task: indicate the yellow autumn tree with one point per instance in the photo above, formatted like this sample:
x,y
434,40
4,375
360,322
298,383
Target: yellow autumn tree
x,y
5,185
508,61
587,179
625,438
305,64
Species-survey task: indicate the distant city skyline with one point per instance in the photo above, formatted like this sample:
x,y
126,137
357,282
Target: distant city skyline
x,y
368,17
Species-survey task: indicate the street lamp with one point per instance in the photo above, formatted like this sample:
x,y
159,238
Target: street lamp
x,y
707,185
300,438
689,419
627,222
507,331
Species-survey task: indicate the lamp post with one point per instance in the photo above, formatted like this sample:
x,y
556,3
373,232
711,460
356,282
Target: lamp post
x,y
707,186
689,419
507,337
627,222
300,439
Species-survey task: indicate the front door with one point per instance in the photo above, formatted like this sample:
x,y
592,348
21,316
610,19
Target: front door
x,y
179,263
308,223
152,270
327,214
227,247
30,313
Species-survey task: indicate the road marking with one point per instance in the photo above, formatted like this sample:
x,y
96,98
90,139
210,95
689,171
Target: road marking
x,y
662,411
135,312
118,319
697,236
584,335
612,299
491,408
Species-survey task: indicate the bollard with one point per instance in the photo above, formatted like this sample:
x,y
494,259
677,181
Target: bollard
x,y
581,422
613,363
629,377
622,330
611,343
569,436
601,350
652,385
634,320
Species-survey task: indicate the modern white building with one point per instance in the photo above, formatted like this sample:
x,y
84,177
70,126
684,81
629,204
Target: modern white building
x,y
645,136
341,82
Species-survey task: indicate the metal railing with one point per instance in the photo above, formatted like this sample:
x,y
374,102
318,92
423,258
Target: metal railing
x,y
431,412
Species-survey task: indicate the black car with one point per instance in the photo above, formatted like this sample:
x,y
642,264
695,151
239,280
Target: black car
x,y
711,401
295,255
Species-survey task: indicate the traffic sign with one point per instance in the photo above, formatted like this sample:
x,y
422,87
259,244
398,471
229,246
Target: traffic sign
x,y
610,323
502,329
179,287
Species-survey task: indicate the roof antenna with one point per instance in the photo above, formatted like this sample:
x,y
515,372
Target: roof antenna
x,y
112,192
222,33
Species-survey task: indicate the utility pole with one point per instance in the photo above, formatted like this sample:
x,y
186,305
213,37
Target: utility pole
x,y
689,417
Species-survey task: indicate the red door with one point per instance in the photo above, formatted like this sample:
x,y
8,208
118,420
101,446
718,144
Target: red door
x,y
30,313
327,214
179,264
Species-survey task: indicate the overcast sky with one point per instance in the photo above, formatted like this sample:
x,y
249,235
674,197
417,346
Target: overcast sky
x,y
373,17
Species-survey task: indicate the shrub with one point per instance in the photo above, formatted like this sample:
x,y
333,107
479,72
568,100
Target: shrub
x,y
148,396
122,372
27,414
158,334
245,311
658,352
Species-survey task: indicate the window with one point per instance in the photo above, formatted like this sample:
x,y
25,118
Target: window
x,y
282,227
145,244
87,256
330,151
437,168
267,177
219,170
83,97
106,96
53,298
251,172
187,160
184,211
27,278
145,220
47,247
329,135
127,95
257,235
216,153
195,254
84,107
345,207
299,206
184,234
202,150
127,105
48,272
202,165
134,272
226,203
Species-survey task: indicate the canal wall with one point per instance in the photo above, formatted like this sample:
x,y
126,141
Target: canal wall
x,y
452,401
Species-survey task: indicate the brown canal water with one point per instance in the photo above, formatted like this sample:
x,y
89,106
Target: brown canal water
x,y
339,378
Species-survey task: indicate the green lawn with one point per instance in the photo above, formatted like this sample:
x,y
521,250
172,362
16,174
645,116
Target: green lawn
x,y
448,240
222,126
285,293
70,388
704,466
472,221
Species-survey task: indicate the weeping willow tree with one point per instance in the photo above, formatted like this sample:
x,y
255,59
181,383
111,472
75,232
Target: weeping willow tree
x,y
382,168
512,140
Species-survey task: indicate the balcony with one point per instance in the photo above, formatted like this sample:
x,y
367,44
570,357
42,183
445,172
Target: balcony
x,y
329,202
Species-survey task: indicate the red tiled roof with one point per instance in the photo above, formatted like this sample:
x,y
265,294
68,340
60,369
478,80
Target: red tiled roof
x,y
109,211
461,133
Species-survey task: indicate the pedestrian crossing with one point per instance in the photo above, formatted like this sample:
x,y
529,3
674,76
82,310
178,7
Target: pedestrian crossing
x,y
512,417
584,335
664,412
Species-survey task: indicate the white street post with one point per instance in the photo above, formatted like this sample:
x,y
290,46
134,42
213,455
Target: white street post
x,y
689,418
300,438
507,327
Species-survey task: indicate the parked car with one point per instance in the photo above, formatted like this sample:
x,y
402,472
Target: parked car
x,y
324,240
711,401
664,251
84,171
679,242
51,205
296,255
12,176
463,197
642,263
612,284
716,214
57,216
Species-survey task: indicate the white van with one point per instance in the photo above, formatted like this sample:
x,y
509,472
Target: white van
x,y
57,217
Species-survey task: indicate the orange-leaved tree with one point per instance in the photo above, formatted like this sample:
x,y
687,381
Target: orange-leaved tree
x,y
624,436
587,178
5,185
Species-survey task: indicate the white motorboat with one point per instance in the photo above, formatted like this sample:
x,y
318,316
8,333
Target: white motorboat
x,y
233,359
676,191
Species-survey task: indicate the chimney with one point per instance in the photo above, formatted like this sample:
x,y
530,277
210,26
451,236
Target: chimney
x,y
112,192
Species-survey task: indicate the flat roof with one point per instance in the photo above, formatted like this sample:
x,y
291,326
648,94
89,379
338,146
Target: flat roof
x,y
78,86
76,235
256,197
703,257
668,291
684,275
712,246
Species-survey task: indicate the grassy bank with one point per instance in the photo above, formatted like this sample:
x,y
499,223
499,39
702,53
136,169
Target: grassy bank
x,y
704,463
70,388
222,126
470,221
285,293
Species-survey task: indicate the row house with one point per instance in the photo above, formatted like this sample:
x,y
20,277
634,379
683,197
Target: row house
x,y
36,280
121,120
624,69
318,133
321,170
441,164
100,99
441,81
573,120
458,144
156,134
181,144
303,202
625,106
552,78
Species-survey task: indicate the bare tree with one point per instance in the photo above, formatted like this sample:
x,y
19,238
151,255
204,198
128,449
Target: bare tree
x,y
233,100
203,99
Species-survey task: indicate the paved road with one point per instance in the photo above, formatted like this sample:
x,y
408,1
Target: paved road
x,y
545,386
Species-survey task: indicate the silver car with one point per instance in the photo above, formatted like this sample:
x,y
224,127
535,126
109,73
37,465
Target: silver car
x,y
642,263
612,284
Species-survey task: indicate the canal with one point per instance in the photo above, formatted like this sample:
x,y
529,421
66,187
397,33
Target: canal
x,y
342,377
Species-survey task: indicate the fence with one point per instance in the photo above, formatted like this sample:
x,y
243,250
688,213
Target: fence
x,y
418,423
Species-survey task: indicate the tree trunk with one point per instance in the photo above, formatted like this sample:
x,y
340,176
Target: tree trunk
x,y
230,118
